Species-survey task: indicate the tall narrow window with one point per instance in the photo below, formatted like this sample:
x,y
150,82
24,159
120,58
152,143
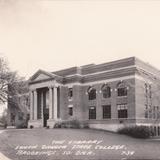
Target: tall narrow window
x,y
106,91
92,112
122,111
70,111
70,93
146,111
106,111
91,93
121,89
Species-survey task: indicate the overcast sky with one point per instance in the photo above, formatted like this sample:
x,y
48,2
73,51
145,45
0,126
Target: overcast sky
x,y
52,35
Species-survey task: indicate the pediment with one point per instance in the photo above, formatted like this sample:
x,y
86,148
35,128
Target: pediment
x,y
41,75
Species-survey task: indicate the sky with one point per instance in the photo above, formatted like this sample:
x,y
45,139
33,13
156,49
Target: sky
x,y
53,35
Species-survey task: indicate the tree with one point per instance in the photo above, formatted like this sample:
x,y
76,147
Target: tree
x,y
4,79
10,83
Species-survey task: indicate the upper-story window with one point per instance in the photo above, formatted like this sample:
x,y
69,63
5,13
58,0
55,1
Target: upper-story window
x,y
70,93
91,93
106,91
121,89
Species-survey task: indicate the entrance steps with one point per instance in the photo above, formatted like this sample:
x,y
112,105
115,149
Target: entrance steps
x,y
11,127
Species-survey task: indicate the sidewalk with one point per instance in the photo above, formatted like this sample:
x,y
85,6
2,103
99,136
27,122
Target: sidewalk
x,y
3,157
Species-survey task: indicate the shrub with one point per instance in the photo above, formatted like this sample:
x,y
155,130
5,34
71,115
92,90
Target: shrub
x,y
3,121
136,131
21,125
84,125
73,123
31,127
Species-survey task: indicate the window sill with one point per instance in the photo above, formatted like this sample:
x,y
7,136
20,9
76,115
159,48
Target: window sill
x,y
121,96
70,99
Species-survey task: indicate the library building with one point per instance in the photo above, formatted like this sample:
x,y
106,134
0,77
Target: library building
x,y
105,96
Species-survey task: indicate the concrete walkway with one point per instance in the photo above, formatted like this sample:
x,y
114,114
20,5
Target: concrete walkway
x,y
3,157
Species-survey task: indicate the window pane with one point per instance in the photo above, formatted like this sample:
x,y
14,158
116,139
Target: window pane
x,y
92,94
70,93
106,91
122,91
92,113
70,111
122,113
106,111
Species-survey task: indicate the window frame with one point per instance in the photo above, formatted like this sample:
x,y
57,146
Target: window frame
x,y
92,93
122,89
106,91
122,111
92,113
70,93
105,113
70,111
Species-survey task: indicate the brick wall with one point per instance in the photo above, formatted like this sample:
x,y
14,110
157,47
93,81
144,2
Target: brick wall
x,y
81,103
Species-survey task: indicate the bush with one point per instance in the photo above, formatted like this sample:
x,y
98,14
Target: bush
x,y
137,131
67,124
21,125
31,127
3,121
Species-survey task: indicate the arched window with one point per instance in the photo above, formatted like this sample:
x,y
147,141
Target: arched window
x,y
121,89
91,93
106,91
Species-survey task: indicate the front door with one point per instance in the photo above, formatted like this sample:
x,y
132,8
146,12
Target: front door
x,y
45,117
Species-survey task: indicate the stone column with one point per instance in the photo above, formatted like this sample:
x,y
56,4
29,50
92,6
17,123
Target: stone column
x,y
35,104
55,103
50,103
41,105
31,105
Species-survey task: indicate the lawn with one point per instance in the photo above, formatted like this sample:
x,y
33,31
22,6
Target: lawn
x,y
54,144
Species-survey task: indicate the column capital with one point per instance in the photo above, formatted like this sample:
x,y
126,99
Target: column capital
x,y
33,90
50,87
56,86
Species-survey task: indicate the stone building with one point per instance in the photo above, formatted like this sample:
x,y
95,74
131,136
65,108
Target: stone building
x,y
106,96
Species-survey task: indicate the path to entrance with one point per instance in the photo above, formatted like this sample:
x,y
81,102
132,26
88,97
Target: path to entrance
x,y
68,144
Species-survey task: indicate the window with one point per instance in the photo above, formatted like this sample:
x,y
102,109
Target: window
x,y
150,91
122,111
91,93
121,89
70,111
106,91
146,111
106,111
70,93
92,112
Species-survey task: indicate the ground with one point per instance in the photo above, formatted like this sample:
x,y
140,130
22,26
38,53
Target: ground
x,y
54,144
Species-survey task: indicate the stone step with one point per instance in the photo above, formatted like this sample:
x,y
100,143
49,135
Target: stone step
x,y
11,127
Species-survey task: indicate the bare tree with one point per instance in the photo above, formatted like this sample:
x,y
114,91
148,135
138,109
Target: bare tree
x,y
10,83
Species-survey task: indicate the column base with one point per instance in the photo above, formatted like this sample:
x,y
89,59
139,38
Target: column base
x,y
51,123
35,123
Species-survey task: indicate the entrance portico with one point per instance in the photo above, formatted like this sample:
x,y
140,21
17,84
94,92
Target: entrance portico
x,y
43,100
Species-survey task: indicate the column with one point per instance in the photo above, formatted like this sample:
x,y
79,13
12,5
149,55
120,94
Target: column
x,y
35,104
55,103
31,105
41,105
50,103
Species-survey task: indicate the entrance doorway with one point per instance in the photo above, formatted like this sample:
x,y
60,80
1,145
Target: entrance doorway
x,y
43,105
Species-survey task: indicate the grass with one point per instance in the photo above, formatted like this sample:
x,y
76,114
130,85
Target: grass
x,y
10,139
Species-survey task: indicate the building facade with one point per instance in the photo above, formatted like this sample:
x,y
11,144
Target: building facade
x,y
106,96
